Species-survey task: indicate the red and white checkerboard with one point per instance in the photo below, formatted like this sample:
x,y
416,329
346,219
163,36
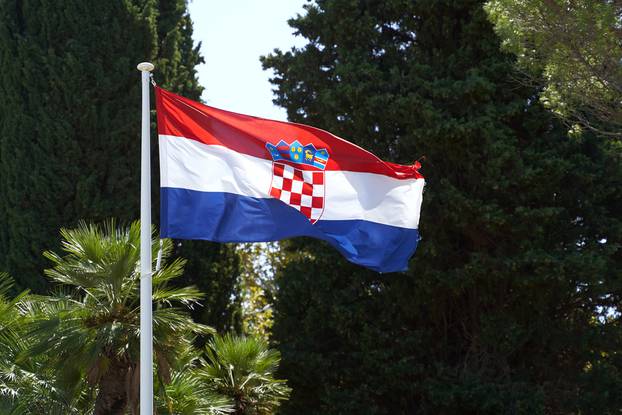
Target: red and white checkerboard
x,y
300,189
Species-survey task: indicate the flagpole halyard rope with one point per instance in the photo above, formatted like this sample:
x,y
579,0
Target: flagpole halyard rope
x,y
159,260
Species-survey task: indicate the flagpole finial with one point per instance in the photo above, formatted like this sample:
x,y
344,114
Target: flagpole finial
x,y
145,66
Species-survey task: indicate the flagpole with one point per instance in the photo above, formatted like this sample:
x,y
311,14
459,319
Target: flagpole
x,y
146,319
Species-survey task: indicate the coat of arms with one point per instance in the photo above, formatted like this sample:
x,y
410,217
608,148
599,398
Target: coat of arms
x,y
298,177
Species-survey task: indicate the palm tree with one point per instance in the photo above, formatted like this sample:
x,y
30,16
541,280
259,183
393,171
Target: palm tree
x,y
187,394
90,327
11,334
243,369
26,385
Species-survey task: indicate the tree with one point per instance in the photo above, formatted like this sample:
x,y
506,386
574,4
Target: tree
x,y
69,139
187,393
576,47
243,369
11,332
89,330
257,287
25,385
214,268
66,129
176,56
511,304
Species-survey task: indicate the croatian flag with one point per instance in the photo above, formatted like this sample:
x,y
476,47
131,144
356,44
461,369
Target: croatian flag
x,y
228,177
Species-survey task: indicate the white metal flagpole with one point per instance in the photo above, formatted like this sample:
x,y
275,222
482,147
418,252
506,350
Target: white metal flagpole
x,y
146,319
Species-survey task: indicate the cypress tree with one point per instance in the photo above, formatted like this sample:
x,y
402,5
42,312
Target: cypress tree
x,y
70,123
69,128
511,303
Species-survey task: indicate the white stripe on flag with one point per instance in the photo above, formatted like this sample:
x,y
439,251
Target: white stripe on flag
x,y
189,164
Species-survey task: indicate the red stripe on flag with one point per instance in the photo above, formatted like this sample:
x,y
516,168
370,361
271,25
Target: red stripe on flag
x,y
181,117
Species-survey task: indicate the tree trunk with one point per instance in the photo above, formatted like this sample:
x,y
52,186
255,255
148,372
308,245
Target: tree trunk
x,y
112,396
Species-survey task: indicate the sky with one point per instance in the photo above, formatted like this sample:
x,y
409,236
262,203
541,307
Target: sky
x,y
233,35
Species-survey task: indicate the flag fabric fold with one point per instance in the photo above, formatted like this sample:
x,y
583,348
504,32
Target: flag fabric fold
x,y
229,177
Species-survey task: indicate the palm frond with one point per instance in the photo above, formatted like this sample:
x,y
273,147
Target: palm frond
x,y
243,368
169,271
91,324
188,296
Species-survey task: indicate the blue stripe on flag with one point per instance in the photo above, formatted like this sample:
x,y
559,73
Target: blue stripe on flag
x,y
228,217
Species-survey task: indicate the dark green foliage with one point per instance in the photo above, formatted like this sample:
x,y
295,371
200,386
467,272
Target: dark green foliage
x,y
177,55
76,351
214,269
70,125
89,330
68,133
511,302
243,369
69,116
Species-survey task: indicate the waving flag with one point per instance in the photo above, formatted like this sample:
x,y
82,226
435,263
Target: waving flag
x,y
228,177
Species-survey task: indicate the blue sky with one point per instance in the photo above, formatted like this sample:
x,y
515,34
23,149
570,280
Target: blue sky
x,y
234,33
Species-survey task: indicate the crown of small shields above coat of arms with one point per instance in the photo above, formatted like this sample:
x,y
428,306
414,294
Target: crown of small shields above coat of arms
x,y
299,154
